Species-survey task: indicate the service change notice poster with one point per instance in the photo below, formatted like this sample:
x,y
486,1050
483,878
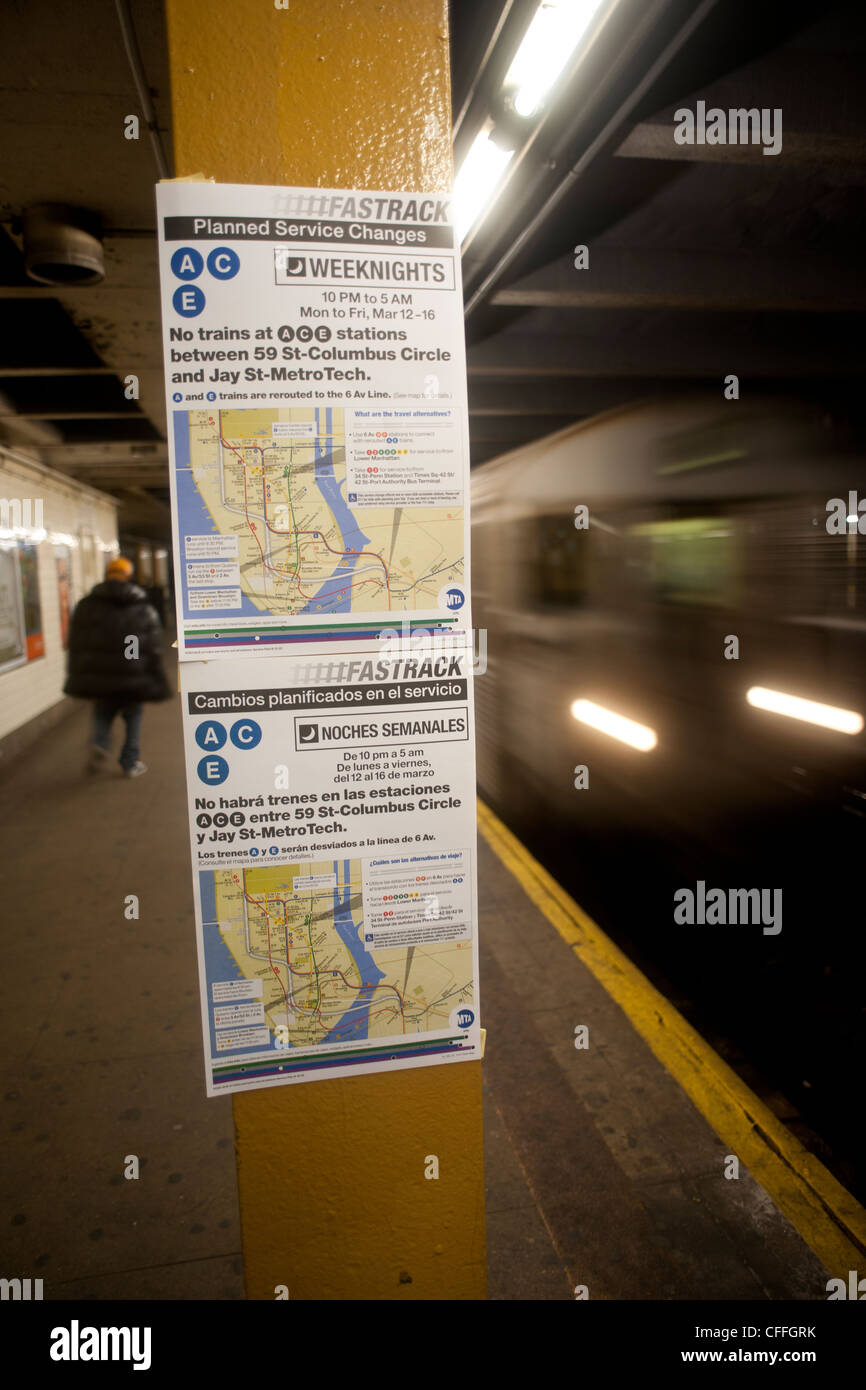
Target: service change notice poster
x,y
332,820
316,389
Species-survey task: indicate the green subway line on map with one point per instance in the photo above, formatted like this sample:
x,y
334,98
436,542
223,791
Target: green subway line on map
x,y
385,1046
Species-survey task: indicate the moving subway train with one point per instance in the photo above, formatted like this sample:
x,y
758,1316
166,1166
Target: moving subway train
x,y
674,700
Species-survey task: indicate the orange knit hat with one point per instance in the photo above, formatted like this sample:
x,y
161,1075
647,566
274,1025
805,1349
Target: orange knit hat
x,y
121,568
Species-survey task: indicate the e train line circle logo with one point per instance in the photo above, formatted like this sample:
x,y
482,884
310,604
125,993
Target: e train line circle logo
x,y
188,301
211,735
212,770
187,264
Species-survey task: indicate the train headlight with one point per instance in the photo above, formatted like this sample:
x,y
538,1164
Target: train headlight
x,y
844,721
615,725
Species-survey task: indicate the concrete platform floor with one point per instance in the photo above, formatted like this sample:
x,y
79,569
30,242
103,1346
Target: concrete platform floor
x,y
102,1052
599,1170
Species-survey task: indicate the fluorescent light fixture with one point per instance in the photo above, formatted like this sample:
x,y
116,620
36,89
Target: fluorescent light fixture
x,y
28,534
852,520
844,721
554,32
616,725
480,172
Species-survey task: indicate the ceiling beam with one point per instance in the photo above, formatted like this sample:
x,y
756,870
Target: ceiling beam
x,y
102,449
817,94
120,480
10,372
633,278
94,296
117,467
655,140
72,415
121,484
683,351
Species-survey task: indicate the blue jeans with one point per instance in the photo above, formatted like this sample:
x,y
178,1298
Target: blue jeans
x,y
104,712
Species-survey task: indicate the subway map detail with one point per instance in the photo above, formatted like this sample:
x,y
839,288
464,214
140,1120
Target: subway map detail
x,y
269,526
298,929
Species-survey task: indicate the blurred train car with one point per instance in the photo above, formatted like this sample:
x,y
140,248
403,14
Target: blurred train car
x,y
707,521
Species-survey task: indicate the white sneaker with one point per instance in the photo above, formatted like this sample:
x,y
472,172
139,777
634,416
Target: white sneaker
x,y
99,759
136,770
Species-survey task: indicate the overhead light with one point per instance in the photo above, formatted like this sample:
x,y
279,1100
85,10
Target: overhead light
x,y
615,725
553,34
844,721
480,172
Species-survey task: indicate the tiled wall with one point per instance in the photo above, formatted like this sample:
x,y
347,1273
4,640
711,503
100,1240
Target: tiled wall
x,y
87,524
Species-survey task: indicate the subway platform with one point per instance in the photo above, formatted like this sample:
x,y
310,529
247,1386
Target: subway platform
x,y
605,1164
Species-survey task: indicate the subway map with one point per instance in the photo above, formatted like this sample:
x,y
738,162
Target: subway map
x,y
298,929
268,526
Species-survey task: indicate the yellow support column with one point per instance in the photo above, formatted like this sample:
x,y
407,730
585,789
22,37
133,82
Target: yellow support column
x,y
334,1199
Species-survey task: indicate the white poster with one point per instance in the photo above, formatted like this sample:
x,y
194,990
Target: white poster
x,y
12,640
316,392
332,822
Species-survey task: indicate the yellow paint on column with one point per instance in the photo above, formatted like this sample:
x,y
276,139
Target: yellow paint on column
x,y
334,1199
329,93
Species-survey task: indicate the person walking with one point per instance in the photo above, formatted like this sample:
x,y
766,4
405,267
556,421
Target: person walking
x,y
115,659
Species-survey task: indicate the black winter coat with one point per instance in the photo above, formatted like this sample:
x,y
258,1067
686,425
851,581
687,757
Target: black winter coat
x,y
102,623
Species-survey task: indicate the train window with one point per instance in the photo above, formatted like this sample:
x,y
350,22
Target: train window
x,y
691,560
560,564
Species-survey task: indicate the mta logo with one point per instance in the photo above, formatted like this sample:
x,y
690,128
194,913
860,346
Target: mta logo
x,y
465,1018
455,599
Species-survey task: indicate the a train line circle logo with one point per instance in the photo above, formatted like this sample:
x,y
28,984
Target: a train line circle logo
x,y
187,263
210,735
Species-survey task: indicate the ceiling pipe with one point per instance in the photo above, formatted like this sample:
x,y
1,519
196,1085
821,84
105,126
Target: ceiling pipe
x,y
133,54
62,245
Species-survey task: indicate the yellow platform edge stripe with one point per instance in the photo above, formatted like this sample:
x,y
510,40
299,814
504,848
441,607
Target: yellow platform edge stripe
x,y
829,1219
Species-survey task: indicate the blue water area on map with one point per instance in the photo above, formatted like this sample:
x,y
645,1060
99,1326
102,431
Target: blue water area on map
x,y
355,1022
194,519
335,595
219,962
